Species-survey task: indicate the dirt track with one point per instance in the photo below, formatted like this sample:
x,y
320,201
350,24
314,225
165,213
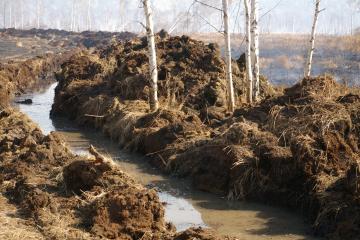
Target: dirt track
x,y
298,149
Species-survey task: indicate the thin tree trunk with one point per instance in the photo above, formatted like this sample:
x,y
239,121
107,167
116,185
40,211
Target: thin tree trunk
x,y
255,47
248,51
4,15
15,21
122,15
89,16
72,25
22,14
230,87
10,14
38,13
308,66
154,104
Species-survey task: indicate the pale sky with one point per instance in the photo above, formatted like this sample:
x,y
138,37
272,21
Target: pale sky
x,y
116,15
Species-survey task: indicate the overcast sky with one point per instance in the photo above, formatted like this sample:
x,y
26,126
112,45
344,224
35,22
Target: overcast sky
x,y
339,17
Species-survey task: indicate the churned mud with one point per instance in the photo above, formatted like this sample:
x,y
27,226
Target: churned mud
x,y
17,77
59,195
297,148
47,192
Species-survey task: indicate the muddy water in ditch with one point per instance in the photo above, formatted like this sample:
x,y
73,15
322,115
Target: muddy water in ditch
x,y
185,207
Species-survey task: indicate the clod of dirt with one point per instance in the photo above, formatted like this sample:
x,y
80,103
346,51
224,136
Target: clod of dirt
x,y
83,175
128,213
199,233
29,197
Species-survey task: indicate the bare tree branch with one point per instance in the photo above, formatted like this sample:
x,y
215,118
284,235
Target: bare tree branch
x,y
208,5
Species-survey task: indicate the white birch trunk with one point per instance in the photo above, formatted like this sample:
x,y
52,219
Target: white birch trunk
x,y
4,15
72,25
249,74
230,87
122,16
22,14
255,47
10,14
307,72
89,16
38,14
154,104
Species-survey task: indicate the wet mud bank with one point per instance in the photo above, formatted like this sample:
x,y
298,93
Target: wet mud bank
x,y
18,77
185,206
48,192
64,196
298,148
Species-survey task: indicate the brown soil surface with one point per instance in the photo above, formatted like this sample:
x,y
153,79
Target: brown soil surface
x,y
298,149
53,194
63,38
46,192
17,77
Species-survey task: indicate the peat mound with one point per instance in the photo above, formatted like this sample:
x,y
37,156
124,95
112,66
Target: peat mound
x,y
18,77
86,39
191,75
128,213
299,149
74,197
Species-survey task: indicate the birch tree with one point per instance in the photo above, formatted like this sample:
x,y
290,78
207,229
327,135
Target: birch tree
x,y
154,103
89,15
4,14
255,47
307,72
249,74
22,13
10,14
230,87
72,25
38,14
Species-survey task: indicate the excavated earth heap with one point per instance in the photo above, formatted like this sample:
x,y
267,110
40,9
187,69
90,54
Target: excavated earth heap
x,y
62,38
47,192
17,77
298,149
62,196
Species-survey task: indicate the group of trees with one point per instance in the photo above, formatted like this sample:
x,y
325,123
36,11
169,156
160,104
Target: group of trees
x,y
251,13
251,53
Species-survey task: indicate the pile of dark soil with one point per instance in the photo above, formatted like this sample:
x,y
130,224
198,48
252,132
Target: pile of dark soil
x,y
74,197
21,76
63,38
109,89
298,149
191,76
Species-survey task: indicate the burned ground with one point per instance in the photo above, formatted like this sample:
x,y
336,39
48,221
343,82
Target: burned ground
x,y
298,149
